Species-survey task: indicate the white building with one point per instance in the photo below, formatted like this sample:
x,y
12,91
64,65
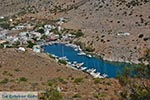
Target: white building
x,y
1,17
36,34
19,28
46,31
47,26
21,49
37,48
23,33
123,34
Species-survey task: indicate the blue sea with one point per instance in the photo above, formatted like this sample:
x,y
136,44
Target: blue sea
x,y
110,68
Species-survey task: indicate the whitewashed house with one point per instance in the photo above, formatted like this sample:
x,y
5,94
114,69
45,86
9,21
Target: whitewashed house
x,y
21,49
61,21
47,29
23,34
123,34
19,27
36,35
37,48
2,17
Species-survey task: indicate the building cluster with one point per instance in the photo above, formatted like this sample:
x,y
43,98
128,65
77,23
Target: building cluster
x,y
20,36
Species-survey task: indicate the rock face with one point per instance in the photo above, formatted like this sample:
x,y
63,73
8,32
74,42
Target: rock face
x,y
103,21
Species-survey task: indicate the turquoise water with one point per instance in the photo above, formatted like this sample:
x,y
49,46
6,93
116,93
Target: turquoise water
x,y
110,68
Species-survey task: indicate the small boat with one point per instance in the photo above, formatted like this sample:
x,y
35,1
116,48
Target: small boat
x,y
105,75
95,75
83,68
73,65
74,62
89,56
67,44
54,56
76,49
91,70
81,53
69,63
63,58
100,76
79,65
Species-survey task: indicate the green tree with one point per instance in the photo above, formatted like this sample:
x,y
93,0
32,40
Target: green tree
x,y
30,44
41,30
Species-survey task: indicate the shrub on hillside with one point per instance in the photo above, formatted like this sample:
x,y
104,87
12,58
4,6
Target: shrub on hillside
x,y
89,49
62,62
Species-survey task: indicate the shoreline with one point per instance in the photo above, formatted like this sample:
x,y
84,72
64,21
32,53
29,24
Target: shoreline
x,y
94,54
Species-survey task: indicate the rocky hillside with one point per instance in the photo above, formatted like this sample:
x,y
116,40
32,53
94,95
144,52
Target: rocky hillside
x,y
104,23
28,71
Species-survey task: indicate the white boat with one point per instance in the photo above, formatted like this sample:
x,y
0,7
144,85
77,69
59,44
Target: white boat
x,y
105,75
89,56
74,62
54,55
83,68
91,70
67,44
81,53
79,65
76,49
100,76
71,45
73,65
95,75
69,63
63,58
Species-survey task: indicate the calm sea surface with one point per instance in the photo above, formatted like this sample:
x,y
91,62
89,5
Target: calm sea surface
x,y
110,68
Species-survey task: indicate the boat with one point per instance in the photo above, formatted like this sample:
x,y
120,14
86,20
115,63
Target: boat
x,y
63,58
71,45
91,70
89,56
81,53
76,49
95,75
105,75
69,63
83,68
74,62
79,65
54,55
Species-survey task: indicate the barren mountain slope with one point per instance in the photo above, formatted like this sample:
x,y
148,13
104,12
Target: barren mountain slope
x,y
28,71
101,20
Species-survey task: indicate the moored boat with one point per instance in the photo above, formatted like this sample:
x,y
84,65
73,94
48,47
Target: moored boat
x,y
81,53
